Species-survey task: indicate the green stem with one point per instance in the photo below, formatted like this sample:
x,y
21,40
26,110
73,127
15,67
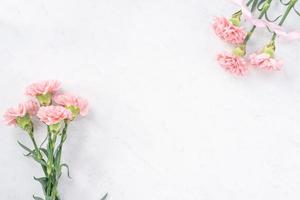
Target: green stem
x,y
254,5
62,140
37,150
266,6
286,13
50,150
58,159
249,2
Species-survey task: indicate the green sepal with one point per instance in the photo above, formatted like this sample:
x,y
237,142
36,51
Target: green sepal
x,y
240,50
236,18
270,49
74,110
44,99
25,123
55,128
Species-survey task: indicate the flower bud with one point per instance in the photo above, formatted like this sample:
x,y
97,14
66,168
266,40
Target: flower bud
x,y
270,49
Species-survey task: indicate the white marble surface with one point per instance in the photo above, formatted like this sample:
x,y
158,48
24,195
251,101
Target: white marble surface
x,y
166,121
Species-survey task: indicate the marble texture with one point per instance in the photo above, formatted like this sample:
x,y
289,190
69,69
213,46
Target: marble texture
x,y
166,121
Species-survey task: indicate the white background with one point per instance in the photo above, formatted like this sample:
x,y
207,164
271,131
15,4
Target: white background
x,y
167,123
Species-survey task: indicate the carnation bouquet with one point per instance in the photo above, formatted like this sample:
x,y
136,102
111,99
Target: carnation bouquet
x,y
56,111
255,13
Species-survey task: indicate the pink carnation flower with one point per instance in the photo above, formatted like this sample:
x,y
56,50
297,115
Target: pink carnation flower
x,y
232,63
43,87
228,32
72,100
53,114
31,107
265,61
11,114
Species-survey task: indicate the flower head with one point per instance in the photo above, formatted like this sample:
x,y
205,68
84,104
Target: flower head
x,y
29,107
232,63
43,90
53,114
32,107
43,87
265,61
229,32
75,104
21,115
11,115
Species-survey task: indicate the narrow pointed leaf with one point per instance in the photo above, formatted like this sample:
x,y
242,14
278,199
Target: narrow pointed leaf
x,y
43,182
270,20
25,148
37,198
44,141
42,162
27,154
284,3
296,11
48,198
67,167
44,151
104,197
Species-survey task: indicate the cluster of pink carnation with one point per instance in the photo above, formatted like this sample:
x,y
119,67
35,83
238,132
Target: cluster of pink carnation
x,y
50,114
236,63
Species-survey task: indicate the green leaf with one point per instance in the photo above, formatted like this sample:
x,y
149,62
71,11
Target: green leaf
x,y
28,154
37,198
44,151
67,167
104,197
48,198
42,162
25,148
296,11
43,181
64,137
44,141
57,151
